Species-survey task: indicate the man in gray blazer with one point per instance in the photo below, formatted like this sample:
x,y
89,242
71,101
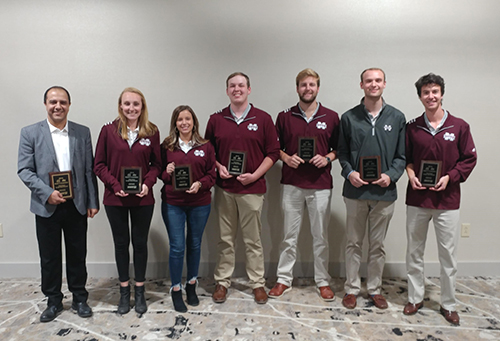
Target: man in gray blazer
x,y
58,145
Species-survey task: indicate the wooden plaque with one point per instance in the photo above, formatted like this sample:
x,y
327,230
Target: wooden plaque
x,y
131,179
369,168
62,182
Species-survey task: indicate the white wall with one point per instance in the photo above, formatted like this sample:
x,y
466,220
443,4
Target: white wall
x,y
180,52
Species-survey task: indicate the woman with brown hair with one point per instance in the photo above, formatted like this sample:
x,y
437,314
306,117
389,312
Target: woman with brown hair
x,y
187,151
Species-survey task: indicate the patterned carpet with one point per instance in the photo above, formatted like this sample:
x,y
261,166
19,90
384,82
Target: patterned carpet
x,y
298,315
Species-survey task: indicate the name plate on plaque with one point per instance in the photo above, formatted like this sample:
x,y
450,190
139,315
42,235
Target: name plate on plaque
x,y
131,179
62,182
369,168
307,148
430,172
237,162
182,177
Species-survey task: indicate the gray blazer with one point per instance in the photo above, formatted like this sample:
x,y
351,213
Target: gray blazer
x,y
37,157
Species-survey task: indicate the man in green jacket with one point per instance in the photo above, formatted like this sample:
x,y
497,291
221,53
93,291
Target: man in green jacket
x,y
371,152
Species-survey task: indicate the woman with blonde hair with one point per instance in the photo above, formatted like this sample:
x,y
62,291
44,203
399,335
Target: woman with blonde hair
x,y
185,150
130,143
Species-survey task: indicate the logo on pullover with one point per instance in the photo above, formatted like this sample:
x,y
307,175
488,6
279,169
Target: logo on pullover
x,y
387,127
449,137
321,125
253,127
199,153
145,142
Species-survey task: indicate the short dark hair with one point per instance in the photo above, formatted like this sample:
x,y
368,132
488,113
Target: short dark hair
x,y
55,87
429,79
234,74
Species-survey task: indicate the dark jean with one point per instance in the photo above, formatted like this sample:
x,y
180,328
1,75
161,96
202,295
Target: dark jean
x,y
175,218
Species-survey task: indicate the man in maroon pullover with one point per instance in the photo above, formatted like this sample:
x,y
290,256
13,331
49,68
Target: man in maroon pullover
x,y
246,134
440,154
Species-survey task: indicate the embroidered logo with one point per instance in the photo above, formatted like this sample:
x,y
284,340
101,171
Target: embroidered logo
x,y
145,142
321,125
199,153
449,136
387,127
473,150
253,127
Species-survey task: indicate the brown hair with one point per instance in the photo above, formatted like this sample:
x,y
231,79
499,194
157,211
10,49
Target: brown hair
x,y
372,69
172,140
306,73
234,74
146,128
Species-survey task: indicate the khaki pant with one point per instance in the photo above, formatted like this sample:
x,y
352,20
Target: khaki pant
x,y
244,209
376,214
446,226
294,199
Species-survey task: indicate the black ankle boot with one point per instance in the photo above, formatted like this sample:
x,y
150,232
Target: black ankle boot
x,y
124,304
140,300
192,298
178,302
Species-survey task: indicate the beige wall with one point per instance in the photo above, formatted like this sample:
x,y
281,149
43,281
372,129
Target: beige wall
x,y
180,52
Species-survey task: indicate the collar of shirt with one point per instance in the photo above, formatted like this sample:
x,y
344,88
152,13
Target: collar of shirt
x,y
57,130
242,117
132,135
370,116
303,113
186,147
431,128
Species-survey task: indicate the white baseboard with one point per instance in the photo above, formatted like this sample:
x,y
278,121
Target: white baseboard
x,y
302,269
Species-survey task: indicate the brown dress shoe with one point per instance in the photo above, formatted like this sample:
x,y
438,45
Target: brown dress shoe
x,y
379,301
260,295
326,293
278,290
450,316
220,293
349,301
411,309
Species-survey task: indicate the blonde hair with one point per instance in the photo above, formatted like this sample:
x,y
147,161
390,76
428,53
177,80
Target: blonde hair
x,y
146,128
172,140
306,73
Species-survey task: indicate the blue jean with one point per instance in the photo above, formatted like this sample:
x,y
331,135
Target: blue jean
x,y
175,218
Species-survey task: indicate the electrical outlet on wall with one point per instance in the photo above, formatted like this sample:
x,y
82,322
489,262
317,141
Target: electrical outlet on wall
x,y
465,230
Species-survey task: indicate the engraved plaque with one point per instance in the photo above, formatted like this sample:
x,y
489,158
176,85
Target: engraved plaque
x,y
182,177
62,182
307,148
131,179
430,172
369,168
237,162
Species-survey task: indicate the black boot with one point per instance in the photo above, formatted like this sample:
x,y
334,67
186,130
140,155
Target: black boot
x,y
178,302
124,305
140,300
192,298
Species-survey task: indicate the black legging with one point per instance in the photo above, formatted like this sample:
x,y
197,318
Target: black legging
x,y
140,217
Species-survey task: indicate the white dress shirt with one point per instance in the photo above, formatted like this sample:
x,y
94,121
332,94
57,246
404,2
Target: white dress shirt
x,y
60,139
